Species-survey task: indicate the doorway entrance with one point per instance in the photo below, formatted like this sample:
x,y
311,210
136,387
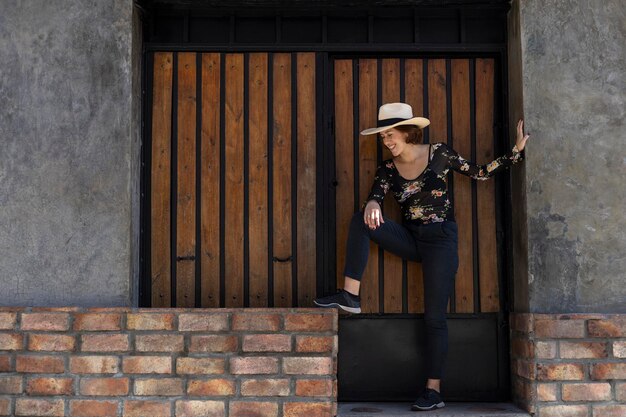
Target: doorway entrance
x,y
254,166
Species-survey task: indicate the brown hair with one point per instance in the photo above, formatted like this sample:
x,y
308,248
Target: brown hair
x,y
415,133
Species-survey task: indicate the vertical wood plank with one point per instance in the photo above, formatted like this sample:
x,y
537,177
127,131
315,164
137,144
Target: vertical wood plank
x,y
234,180
464,292
368,113
160,180
282,178
257,185
414,86
393,263
487,254
186,181
210,181
437,100
344,158
437,109
306,241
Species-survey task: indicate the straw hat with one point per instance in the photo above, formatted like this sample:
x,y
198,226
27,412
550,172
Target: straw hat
x,y
396,114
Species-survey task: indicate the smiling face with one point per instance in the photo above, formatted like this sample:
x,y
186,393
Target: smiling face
x,y
394,140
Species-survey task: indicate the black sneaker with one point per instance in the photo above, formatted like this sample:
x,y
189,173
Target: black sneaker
x,y
428,400
343,299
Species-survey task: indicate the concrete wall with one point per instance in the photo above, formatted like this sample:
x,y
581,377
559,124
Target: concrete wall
x,y
571,57
69,153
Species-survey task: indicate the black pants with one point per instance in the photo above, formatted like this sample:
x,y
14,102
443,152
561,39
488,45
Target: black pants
x,y
435,246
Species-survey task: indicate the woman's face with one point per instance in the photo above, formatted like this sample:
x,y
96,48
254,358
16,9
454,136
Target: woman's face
x,y
394,140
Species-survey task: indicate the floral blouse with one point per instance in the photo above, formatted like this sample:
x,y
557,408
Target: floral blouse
x,y
424,199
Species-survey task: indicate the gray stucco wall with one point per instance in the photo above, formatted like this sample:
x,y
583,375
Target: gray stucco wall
x,y
573,58
69,153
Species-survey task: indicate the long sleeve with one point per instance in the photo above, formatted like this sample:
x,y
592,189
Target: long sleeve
x,y
380,186
481,172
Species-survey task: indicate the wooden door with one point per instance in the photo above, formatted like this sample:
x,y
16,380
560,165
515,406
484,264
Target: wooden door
x,y
459,97
232,179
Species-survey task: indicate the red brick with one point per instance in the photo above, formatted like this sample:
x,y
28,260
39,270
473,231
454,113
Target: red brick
x,y
210,322
307,409
586,392
580,350
314,387
619,349
620,391
39,407
93,408
105,343
265,387
160,343
559,329
45,321
267,343
7,320
139,408
94,365
211,387
214,343
56,309
5,363
51,342
10,384
522,322
253,365
5,406
50,386
545,350
253,409
613,327
560,372
546,392
308,366
147,364
614,410
195,408
150,321
161,386
11,341
104,386
256,322
97,322
200,366
319,344
39,364
309,322
608,371
522,348
563,411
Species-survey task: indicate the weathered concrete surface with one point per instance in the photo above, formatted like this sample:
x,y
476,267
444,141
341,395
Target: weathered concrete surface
x,y
573,59
69,153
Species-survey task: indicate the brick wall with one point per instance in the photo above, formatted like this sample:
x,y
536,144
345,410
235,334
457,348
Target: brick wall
x,y
569,365
168,362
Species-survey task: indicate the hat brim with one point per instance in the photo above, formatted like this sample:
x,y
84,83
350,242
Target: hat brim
x,y
420,122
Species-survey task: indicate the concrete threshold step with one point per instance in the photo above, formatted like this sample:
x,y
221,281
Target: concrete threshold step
x,y
450,410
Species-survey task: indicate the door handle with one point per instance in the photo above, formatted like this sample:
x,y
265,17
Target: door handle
x,y
277,259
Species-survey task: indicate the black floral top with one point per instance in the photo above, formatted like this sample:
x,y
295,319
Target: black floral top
x,y
424,199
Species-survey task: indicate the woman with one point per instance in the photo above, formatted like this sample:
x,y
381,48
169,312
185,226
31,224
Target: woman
x,y
417,177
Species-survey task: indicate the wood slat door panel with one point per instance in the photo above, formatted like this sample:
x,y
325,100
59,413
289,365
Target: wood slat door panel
x,y
160,201
242,179
457,95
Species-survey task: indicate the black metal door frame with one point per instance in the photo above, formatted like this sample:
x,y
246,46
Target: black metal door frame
x,y
326,246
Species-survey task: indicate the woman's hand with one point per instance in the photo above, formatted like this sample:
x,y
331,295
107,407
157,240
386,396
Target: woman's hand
x,y
521,138
372,215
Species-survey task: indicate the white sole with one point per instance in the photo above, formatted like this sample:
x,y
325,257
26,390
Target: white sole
x,y
418,408
354,310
